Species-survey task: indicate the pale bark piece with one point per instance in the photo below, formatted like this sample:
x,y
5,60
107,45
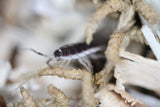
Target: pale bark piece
x,y
110,96
137,70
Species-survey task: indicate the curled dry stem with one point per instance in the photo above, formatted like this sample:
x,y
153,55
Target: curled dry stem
x,y
104,76
112,51
64,73
136,34
147,12
88,91
112,55
27,98
126,20
58,95
109,6
86,77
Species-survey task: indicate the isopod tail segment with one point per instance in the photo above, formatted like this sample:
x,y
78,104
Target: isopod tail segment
x,y
51,58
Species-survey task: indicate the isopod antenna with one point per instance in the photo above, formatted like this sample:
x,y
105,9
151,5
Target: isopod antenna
x,y
41,54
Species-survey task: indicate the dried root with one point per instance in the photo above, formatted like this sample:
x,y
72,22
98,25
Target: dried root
x,y
104,76
62,72
27,98
147,12
58,95
86,77
136,34
112,52
109,6
87,90
126,20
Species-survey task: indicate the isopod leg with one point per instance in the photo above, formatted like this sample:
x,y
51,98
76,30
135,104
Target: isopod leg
x,y
48,63
85,62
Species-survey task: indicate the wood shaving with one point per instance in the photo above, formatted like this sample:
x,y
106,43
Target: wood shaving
x,y
152,41
113,97
141,75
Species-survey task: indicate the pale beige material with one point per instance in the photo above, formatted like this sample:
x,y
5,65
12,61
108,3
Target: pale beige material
x,y
27,98
58,95
147,12
126,20
110,96
137,70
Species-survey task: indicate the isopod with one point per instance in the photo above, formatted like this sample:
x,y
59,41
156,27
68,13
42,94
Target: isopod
x,y
73,51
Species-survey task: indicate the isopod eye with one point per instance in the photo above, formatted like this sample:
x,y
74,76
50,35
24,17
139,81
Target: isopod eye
x,y
58,53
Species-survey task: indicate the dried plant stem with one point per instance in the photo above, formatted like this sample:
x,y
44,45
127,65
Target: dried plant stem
x,y
86,77
58,95
27,98
126,19
88,92
136,34
109,6
146,11
104,76
63,72
112,54
112,51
